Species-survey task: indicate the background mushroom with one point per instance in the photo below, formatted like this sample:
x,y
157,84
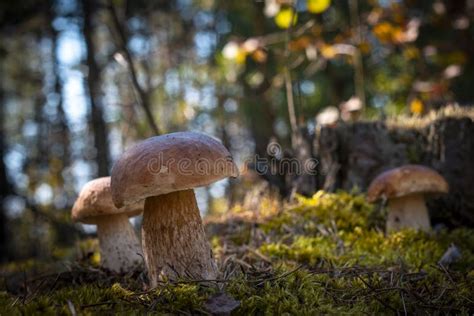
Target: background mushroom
x,y
328,116
351,109
120,248
164,170
405,189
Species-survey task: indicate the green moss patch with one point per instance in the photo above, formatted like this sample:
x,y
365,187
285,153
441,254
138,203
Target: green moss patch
x,y
323,255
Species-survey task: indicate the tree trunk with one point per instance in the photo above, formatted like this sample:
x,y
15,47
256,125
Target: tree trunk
x,y
5,189
142,94
62,132
93,82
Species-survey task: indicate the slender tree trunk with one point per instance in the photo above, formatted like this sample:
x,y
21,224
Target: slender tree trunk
x,y
261,115
359,86
142,94
41,157
222,124
61,120
4,183
93,83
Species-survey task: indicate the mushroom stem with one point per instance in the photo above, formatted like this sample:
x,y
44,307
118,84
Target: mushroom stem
x,y
119,246
408,212
174,241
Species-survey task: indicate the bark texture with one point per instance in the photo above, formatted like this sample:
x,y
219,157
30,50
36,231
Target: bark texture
x,y
408,212
120,249
174,241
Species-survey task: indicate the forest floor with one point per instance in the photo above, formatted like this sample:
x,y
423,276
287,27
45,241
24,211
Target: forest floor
x,y
322,255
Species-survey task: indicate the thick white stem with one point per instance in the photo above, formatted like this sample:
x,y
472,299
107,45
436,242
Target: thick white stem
x,y
120,249
174,242
408,212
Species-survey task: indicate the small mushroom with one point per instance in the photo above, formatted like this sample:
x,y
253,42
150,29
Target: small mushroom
x,y
163,170
405,188
120,249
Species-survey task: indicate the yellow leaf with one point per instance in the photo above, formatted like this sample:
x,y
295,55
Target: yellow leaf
x,y
284,17
416,106
328,51
384,31
318,6
398,36
240,57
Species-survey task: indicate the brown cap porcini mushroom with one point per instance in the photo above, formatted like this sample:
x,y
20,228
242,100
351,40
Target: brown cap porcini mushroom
x,y
120,248
164,170
405,188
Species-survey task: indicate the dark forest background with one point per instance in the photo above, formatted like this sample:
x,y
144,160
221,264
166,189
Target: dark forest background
x,y
81,80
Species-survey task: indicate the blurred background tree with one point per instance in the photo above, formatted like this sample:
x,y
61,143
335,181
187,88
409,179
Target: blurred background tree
x,y
81,80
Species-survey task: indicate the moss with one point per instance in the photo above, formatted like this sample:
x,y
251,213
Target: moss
x,y
329,255
295,294
419,122
337,228
414,249
62,301
7,304
305,292
92,299
183,297
324,210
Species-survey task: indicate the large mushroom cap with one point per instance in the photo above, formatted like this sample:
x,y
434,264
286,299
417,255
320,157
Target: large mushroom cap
x,y
169,163
406,180
95,199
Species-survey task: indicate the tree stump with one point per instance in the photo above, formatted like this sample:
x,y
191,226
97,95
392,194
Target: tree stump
x,y
352,155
